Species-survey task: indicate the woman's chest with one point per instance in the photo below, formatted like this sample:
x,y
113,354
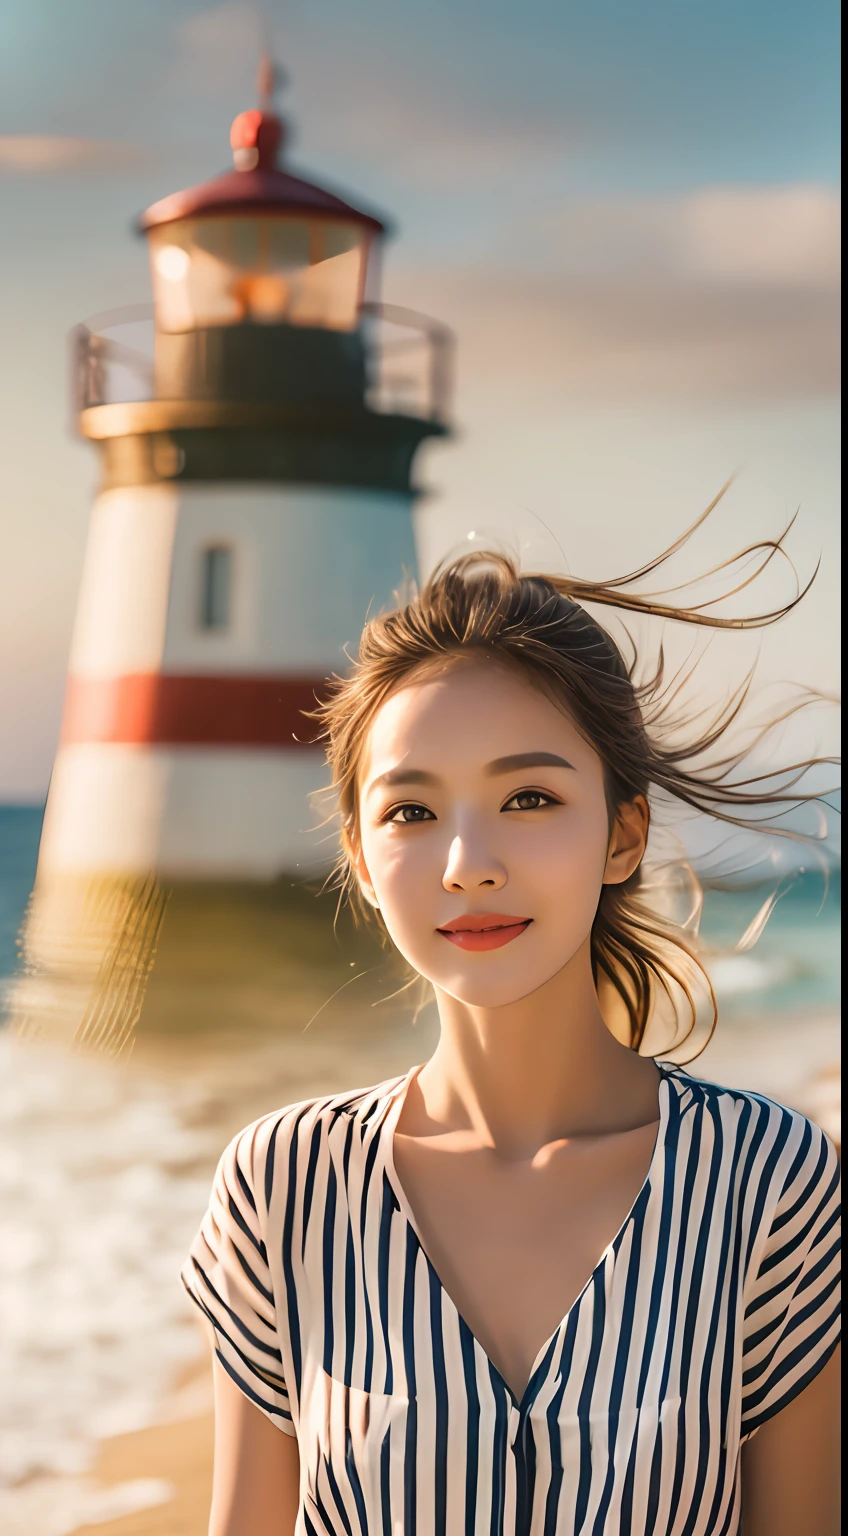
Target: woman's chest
x,y
630,1414
514,1243
659,1316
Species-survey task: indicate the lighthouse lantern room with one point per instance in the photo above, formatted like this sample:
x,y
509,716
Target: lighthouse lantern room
x,y
256,444
257,245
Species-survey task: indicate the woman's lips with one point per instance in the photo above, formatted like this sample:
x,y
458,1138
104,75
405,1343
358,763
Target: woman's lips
x,y
481,931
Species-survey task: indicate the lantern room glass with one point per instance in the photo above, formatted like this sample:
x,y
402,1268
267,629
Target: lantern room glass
x,y
262,269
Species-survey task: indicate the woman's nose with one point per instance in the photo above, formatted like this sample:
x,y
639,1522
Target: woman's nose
x,y
469,868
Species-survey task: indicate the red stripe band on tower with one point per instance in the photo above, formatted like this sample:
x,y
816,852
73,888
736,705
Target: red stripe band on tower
x,y
165,709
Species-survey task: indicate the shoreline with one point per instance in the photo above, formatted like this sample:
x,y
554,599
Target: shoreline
x,y
174,1457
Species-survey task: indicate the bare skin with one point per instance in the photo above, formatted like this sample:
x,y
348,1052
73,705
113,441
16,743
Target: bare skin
x,y
790,1467
529,1105
483,1184
256,1476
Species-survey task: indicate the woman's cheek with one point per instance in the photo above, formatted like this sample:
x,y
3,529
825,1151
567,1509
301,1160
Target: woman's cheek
x,y
557,863
402,875
408,911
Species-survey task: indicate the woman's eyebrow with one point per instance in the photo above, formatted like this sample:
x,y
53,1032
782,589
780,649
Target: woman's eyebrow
x,y
518,760
395,776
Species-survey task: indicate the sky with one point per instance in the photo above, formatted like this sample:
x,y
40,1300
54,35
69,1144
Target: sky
x,y
628,214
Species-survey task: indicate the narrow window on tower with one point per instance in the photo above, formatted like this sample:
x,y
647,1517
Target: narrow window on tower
x,y
216,583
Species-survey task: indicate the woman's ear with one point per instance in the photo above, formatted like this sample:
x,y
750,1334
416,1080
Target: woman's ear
x,y
353,849
627,841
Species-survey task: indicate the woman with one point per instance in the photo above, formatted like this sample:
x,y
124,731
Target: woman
x,y
542,1284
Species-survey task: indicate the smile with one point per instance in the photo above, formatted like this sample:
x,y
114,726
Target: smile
x,y
488,930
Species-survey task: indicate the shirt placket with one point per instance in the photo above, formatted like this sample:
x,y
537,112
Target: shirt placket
x,y
518,1501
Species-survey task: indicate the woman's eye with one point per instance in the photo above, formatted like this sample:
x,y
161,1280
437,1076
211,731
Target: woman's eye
x,y
529,800
409,813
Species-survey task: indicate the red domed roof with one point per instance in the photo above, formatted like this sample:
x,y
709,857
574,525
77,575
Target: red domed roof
x,y
257,184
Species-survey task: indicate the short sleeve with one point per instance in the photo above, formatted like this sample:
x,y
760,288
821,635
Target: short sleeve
x,y
792,1315
228,1277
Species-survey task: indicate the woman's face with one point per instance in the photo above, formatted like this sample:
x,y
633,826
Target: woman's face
x,y
484,834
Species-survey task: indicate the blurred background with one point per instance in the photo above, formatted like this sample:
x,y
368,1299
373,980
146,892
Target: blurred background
x,y
540,277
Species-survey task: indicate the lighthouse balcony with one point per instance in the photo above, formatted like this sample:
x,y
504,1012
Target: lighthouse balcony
x,y
128,377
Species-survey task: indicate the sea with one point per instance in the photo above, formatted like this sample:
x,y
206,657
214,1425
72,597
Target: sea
x,y
105,1169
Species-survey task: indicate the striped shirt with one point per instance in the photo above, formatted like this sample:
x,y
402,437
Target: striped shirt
x,y
714,1305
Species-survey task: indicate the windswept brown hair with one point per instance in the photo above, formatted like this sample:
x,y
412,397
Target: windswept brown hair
x,y
479,604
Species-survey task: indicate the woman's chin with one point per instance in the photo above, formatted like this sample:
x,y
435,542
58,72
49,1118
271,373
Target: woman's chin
x,y
491,991
490,979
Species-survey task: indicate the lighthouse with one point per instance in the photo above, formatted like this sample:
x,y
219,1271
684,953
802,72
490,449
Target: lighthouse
x,y
256,439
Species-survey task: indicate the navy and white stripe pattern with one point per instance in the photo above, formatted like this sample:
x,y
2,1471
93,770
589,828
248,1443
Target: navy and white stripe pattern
x,y
714,1305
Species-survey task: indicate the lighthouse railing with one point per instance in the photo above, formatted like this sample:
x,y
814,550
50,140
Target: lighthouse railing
x,y
112,358
408,361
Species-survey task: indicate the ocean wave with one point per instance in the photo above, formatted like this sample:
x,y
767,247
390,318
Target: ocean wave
x,y
741,975
47,1507
103,1178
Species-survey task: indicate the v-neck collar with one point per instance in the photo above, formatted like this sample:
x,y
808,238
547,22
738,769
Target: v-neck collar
x,y
397,1099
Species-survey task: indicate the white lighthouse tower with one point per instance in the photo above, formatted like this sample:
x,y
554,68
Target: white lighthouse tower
x,y
256,447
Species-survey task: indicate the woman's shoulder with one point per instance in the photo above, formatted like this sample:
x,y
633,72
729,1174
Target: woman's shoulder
x,y
727,1099
305,1124
755,1131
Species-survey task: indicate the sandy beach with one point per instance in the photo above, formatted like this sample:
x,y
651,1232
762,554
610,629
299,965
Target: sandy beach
x,y
180,1454
174,1458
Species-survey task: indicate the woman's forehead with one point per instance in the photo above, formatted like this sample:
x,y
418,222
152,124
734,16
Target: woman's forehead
x,y
467,713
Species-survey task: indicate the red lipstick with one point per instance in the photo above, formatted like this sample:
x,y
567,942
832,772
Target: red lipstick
x,y
484,930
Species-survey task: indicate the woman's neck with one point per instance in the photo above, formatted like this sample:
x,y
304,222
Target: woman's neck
x,y
539,1070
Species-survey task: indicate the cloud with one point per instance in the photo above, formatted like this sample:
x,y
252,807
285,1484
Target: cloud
x,y
787,234
721,293
548,340
45,154
773,236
